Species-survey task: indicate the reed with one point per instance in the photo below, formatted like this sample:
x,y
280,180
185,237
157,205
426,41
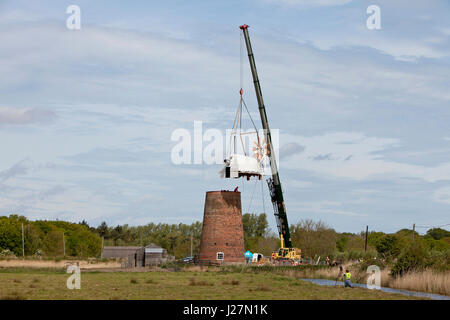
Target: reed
x,y
426,281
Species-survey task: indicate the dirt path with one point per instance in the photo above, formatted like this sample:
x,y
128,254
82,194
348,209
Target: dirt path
x,y
18,263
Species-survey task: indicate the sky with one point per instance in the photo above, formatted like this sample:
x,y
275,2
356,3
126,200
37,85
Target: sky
x,y
86,116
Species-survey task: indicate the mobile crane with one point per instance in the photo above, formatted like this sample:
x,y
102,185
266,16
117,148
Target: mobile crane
x,y
287,253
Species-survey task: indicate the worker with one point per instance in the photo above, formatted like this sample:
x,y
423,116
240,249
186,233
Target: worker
x,y
347,276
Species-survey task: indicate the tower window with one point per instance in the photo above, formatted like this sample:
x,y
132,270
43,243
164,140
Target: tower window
x,y
220,255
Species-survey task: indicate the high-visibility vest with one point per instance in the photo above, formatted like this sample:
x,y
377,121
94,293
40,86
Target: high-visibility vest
x,y
348,276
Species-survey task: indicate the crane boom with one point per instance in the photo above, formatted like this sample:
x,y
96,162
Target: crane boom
x,y
274,183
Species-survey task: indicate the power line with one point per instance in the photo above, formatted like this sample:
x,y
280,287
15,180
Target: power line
x,y
432,227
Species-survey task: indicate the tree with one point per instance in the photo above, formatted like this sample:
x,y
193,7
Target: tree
x,y
438,233
53,243
341,243
255,228
391,245
103,230
438,245
268,244
313,238
374,237
10,235
83,244
261,225
33,240
116,234
84,223
412,258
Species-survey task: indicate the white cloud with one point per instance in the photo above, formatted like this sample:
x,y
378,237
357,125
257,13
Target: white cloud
x,y
20,116
446,31
313,3
326,207
442,195
20,168
366,161
401,49
297,184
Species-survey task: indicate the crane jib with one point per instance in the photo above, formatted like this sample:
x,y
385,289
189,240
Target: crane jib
x,y
274,183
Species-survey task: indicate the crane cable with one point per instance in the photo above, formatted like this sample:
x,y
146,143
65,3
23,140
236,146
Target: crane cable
x,y
241,67
237,124
242,102
251,198
238,116
253,193
262,196
241,58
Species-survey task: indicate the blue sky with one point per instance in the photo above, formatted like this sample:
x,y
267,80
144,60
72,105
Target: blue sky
x,y
86,116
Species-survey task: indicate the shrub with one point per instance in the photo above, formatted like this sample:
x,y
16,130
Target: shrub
x,y
355,254
413,258
368,262
6,253
439,260
388,246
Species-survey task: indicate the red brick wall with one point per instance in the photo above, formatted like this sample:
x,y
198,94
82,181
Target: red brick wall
x,y
222,228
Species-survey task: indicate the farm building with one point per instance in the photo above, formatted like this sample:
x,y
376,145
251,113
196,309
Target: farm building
x,y
138,256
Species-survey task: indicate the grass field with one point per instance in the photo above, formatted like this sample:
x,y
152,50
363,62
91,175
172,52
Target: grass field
x,y
51,284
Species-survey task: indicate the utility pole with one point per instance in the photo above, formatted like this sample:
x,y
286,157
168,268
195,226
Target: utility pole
x,y
64,246
414,230
191,245
103,240
365,243
23,243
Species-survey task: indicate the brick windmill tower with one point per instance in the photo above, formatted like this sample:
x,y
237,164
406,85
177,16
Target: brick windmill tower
x,y
222,234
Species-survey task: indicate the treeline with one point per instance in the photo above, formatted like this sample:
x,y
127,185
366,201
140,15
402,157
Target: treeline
x,y
176,238
314,238
46,238
405,250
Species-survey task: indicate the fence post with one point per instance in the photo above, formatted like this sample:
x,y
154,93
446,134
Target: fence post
x,y
365,243
23,243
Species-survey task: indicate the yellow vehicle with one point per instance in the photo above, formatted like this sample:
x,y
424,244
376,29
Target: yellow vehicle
x,y
286,255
